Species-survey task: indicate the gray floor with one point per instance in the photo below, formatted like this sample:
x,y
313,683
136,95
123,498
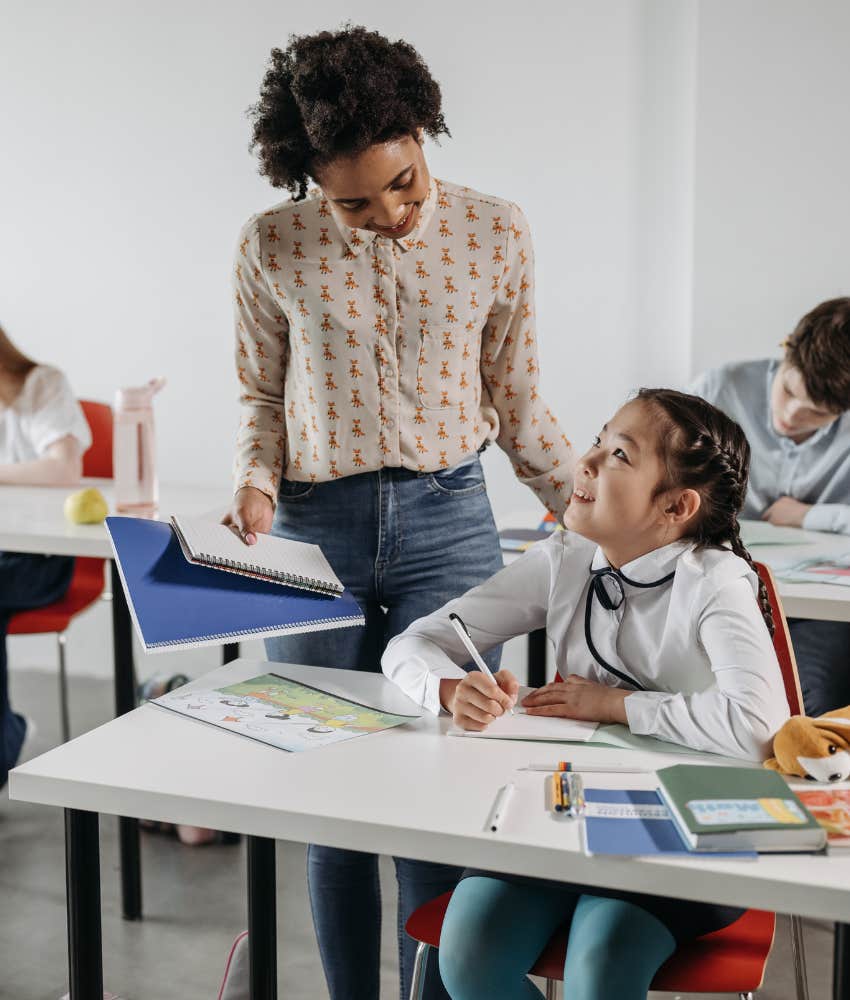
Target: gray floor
x,y
194,900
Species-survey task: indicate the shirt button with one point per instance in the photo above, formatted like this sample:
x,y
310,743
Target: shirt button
x,y
390,423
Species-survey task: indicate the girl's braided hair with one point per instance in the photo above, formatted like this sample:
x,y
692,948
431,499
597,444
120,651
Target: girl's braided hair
x,y
334,94
705,451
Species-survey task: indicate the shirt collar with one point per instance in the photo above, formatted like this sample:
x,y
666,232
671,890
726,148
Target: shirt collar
x,y
356,240
649,567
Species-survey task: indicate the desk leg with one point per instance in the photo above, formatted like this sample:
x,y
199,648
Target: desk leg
x,y
125,701
82,886
262,919
229,652
841,963
537,658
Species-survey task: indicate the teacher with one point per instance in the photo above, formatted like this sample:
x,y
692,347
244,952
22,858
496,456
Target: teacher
x,y
385,337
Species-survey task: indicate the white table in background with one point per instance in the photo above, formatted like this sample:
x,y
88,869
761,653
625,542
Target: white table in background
x,y
32,520
409,791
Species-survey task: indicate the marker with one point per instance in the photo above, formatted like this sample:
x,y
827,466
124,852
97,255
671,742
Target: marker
x,y
556,798
576,807
500,806
565,765
463,635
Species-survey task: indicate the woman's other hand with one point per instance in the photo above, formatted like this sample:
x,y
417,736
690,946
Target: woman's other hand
x,y
578,698
475,701
250,514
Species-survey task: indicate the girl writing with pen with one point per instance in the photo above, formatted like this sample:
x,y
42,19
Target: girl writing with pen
x,y
658,621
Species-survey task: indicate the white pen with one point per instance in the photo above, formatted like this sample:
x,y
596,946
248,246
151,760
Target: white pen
x,y
588,768
500,806
463,635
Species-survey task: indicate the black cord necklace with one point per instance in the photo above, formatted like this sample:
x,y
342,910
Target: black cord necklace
x,y
598,588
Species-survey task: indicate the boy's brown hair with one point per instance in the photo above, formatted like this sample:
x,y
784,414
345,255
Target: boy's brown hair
x,y
819,348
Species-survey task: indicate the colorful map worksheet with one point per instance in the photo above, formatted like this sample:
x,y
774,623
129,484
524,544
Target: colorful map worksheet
x,y
281,712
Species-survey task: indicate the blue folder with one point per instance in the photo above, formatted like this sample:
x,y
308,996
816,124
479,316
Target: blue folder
x,y
175,603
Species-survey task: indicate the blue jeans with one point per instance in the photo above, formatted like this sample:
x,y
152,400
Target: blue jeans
x,y
404,543
26,581
822,651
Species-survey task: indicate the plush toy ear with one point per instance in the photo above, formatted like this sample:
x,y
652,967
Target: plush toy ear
x,y
772,764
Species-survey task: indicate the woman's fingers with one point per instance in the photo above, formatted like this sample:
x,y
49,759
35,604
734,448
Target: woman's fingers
x,y
509,685
487,692
251,514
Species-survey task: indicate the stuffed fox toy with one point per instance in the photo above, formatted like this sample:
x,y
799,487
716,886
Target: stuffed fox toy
x,y
817,749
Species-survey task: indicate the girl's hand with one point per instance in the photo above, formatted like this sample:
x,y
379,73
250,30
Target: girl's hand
x,y
578,698
475,700
251,513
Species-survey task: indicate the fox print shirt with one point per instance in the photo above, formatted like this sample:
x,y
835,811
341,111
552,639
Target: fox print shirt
x,y
356,351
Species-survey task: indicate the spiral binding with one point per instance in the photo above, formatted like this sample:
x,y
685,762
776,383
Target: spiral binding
x,y
317,625
293,579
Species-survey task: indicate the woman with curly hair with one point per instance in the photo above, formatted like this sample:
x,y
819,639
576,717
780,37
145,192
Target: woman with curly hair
x,y
385,336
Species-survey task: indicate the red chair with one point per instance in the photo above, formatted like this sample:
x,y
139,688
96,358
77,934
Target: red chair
x,y
731,960
87,582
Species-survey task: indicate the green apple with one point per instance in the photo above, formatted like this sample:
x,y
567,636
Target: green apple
x,y
86,507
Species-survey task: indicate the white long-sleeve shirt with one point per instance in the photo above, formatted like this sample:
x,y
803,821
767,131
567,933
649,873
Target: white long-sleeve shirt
x,y
697,644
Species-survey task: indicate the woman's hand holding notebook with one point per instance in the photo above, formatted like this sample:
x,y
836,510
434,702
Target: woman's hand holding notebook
x,y
276,560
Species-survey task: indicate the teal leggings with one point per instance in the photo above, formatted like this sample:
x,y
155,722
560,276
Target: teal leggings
x,y
495,930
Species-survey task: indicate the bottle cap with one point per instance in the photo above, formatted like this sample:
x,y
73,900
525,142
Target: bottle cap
x,y
138,397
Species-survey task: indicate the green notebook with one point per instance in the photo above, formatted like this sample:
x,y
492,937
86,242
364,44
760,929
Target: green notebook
x,y
737,809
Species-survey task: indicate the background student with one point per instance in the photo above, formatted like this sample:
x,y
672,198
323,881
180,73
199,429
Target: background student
x,y
385,336
43,436
795,413
677,645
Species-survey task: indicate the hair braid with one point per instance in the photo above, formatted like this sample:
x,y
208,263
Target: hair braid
x,y
706,451
741,550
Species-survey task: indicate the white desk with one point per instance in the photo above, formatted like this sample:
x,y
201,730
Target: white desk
x,y
155,764
820,601
32,520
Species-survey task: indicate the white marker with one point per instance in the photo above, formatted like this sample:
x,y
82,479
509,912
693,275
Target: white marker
x,y
500,806
463,635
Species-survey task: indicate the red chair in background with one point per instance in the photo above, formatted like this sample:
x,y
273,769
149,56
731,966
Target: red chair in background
x,y
87,583
731,960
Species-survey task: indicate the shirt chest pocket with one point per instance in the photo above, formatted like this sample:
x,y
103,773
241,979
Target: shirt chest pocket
x,y
448,342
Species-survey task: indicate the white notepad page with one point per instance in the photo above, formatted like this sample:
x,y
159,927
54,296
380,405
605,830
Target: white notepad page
x,y
299,563
521,726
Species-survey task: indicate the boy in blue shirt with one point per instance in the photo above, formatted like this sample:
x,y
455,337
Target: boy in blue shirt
x,y
795,415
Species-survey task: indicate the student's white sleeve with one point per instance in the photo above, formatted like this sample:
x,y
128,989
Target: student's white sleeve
x,y
511,603
53,411
738,714
828,517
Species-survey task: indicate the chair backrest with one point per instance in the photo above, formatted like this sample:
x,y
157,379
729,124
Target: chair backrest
x,y
782,643
97,461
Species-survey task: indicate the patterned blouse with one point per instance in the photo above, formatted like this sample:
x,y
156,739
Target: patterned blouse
x,y
357,351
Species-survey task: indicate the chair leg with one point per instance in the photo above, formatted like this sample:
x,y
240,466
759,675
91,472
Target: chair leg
x,y
551,989
63,689
745,996
420,964
798,951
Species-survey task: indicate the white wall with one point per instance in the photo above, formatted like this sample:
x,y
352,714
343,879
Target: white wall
x,y
680,163
771,204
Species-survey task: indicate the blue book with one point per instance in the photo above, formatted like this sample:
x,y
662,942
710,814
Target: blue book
x,y
177,604
634,822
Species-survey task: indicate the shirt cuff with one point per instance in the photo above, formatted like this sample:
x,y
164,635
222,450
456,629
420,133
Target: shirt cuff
x,y
826,517
642,711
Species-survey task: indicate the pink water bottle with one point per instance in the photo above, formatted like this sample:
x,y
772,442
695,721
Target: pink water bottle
x,y
134,450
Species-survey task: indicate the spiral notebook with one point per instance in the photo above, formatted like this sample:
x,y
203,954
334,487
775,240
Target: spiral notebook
x,y
277,560
178,604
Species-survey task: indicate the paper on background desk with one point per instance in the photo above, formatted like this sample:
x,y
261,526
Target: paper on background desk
x,y
818,570
765,533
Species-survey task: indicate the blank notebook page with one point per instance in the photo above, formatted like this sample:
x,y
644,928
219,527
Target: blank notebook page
x,y
279,558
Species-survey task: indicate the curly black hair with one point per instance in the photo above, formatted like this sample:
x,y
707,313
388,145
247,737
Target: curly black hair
x,y
335,94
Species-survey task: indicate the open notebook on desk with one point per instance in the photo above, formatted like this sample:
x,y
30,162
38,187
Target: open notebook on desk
x,y
522,726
